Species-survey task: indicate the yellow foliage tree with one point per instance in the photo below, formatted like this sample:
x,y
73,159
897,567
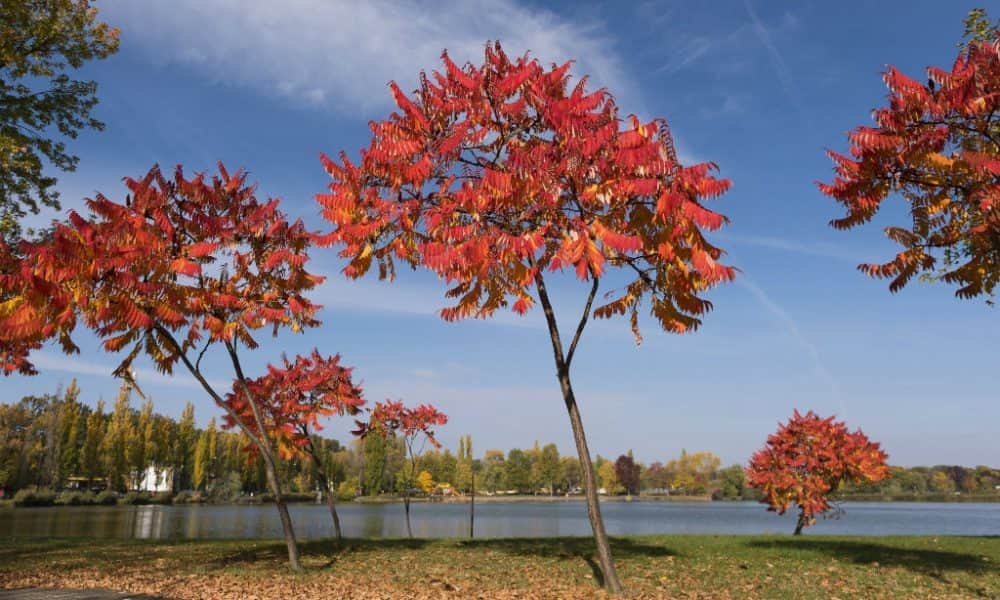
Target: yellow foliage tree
x,y
426,482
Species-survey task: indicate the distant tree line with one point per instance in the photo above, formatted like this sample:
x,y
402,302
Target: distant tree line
x,y
54,441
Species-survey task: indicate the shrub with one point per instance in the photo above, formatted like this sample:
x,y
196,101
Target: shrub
x,y
34,497
69,498
188,497
227,489
135,498
347,491
106,498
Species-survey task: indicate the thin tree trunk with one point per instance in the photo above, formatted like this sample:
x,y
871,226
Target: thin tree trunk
x,y
800,524
331,502
286,519
611,581
261,441
406,508
472,507
590,485
264,443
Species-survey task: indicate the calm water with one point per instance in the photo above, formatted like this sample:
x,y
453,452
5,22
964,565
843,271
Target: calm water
x,y
526,519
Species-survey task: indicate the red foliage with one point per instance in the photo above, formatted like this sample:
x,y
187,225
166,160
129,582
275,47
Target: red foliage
x,y
489,175
806,461
180,260
293,397
938,146
392,417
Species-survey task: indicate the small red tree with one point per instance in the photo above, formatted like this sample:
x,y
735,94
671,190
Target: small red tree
x,y
492,176
627,471
181,266
937,145
292,398
392,418
807,460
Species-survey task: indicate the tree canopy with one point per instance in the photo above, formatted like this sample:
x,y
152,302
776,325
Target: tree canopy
x,y
807,460
40,40
936,145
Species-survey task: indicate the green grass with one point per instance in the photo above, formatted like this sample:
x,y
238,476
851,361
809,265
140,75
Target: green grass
x,y
684,566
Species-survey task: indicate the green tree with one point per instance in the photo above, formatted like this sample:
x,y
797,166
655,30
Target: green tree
x,y
71,415
571,475
184,447
447,466
113,452
492,477
549,468
463,468
136,452
40,104
374,448
732,482
517,471
200,461
91,458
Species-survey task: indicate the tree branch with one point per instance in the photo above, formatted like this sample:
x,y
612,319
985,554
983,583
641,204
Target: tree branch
x,y
583,322
550,320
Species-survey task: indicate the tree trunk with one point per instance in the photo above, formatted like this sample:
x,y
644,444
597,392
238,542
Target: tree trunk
x,y
800,524
286,520
331,503
331,500
611,581
472,508
563,362
406,508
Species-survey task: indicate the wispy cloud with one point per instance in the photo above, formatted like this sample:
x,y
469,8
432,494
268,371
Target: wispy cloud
x,y
731,105
825,250
75,366
341,53
777,60
786,321
373,296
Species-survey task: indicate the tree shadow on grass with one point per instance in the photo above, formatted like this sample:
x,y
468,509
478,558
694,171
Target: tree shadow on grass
x,y
927,562
572,548
564,548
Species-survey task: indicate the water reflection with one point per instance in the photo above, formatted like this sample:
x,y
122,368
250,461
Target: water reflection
x,y
493,520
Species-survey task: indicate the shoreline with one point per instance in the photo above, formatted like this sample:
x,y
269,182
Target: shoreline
x,y
6,504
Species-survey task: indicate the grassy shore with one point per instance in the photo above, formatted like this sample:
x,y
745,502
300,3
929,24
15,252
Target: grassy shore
x,y
673,566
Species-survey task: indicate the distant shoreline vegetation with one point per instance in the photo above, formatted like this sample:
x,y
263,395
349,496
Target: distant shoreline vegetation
x,y
57,451
34,498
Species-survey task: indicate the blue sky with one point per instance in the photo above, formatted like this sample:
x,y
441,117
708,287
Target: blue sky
x,y
760,88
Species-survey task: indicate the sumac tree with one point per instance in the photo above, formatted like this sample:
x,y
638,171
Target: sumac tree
x,y
494,176
415,425
181,266
292,398
807,460
937,146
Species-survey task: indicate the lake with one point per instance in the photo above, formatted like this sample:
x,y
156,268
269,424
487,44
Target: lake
x,y
493,520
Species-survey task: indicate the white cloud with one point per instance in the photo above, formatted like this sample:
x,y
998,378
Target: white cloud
x,y
341,54
45,361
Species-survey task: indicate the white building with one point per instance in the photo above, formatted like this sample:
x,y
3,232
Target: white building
x,y
155,479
